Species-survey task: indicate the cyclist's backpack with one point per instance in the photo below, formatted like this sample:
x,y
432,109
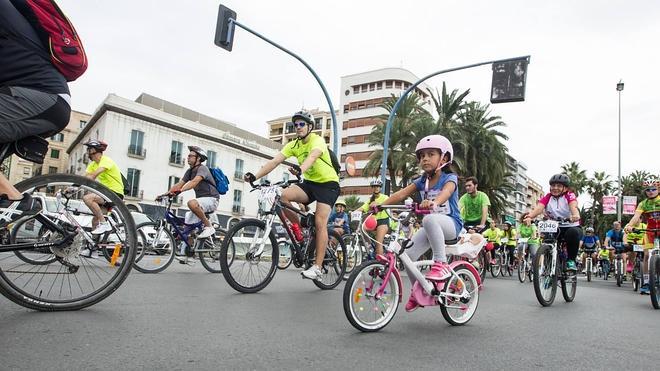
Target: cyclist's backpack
x,y
221,181
57,34
335,162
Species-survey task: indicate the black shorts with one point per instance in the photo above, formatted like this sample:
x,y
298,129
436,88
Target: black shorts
x,y
25,112
384,221
325,193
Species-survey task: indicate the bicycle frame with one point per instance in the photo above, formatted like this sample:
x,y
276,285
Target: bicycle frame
x,y
170,218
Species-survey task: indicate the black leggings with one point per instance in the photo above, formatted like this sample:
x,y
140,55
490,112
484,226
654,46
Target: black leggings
x,y
572,236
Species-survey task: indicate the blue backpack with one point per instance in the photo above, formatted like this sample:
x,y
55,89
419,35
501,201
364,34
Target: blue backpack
x,y
221,181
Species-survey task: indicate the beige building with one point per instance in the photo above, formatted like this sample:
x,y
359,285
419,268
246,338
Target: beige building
x,y
56,160
281,129
534,193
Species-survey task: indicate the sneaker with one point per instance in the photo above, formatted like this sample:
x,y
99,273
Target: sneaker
x,y
18,209
439,271
206,232
313,273
102,228
412,304
86,253
570,265
644,290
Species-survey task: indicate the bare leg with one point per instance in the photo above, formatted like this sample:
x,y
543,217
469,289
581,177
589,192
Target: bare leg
x,y
321,221
8,189
381,231
296,194
94,203
193,205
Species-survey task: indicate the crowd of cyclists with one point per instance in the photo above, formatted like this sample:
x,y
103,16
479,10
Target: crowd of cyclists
x,y
34,100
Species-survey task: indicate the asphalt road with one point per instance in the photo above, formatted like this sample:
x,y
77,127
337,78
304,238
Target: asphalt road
x,y
186,318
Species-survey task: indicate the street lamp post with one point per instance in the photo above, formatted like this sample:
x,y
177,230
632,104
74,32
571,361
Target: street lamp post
x,y
619,88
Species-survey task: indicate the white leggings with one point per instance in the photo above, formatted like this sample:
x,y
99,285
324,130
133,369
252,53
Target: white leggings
x,y
436,228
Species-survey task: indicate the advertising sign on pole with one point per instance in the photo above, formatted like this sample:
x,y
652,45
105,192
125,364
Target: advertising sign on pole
x,y
629,204
609,204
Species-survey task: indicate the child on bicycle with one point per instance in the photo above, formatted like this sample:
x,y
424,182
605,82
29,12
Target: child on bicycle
x,y
439,189
509,240
382,217
561,204
339,219
604,260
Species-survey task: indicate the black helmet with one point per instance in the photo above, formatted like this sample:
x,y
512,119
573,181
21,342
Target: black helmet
x,y
561,179
200,152
303,115
98,145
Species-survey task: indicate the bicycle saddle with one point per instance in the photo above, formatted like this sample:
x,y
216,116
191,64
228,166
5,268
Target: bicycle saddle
x,y
33,149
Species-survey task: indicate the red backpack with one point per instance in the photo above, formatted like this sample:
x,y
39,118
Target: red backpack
x,y
57,34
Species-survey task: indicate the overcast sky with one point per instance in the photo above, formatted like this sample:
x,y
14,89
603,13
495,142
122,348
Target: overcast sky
x,y
579,51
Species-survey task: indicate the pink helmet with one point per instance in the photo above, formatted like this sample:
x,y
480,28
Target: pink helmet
x,y
437,142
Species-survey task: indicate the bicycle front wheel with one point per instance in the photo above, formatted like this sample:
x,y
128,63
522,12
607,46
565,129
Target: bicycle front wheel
x,y
33,230
73,281
522,271
588,268
156,247
568,285
654,281
334,262
248,257
362,308
545,280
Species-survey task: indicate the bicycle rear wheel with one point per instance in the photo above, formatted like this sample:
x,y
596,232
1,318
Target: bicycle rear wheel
x,y
362,309
654,281
72,281
156,247
545,280
334,262
496,267
459,311
208,252
248,257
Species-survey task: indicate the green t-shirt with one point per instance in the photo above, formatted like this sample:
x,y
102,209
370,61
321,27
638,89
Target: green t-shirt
x,y
321,170
493,235
471,207
528,232
111,177
379,200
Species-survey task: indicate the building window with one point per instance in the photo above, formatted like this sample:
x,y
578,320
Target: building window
x,y
210,162
136,144
52,170
397,84
379,85
290,128
83,123
133,177
26,171
346,108
238,173
236,206
176,153
54,153
364,88
372,86
318,123
388,84
59,137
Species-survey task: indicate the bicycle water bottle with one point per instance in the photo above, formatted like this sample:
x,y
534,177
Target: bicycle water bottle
x,y
297,232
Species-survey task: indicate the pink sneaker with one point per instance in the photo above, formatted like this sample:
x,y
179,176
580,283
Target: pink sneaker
x,y
439,271
412,304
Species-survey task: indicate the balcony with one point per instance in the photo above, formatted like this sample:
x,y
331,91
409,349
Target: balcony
x,y
176,160
137,151
238,209
138,196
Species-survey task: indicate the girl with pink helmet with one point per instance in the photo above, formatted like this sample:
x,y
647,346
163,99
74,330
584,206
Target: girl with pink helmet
x,y
439,189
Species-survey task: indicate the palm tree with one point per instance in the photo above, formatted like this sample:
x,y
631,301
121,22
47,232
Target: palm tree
x,y
597,187
353,202
578,177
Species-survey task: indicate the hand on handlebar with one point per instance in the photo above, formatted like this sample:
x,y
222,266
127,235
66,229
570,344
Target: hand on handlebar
x,y
295,170
426,205
574,218
374,208
628,229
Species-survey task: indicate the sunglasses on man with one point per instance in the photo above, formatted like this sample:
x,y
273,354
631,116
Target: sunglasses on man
x,y
300,124
651,189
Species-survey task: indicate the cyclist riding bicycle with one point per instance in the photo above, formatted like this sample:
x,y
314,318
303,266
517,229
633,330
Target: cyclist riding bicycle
x,y
102,169
382,217
631,239
561,204
339,219
439,189
321,182
493,235
528,230
590,243
34,100
508,240
604,261
199,178
649,210
614,241
474,205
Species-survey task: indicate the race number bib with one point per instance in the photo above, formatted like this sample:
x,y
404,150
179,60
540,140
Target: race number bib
x,y
523,240
548,226
638,248
356,215
504,240
442,209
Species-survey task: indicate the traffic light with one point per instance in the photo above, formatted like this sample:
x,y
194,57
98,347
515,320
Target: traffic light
x,y
508,83
224,30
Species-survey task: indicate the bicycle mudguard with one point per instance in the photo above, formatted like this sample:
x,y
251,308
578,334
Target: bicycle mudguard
x,y
457,263
390,261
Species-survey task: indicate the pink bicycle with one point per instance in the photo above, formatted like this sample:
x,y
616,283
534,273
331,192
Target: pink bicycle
x,y
374,290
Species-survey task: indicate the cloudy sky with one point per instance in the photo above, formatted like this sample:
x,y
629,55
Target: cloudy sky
x,y
579,51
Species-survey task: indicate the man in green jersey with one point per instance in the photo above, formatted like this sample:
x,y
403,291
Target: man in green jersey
x,y
321,182
474,205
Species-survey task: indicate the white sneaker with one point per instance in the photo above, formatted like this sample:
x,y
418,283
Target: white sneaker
x,y
102,228
313,273
87,253
206,232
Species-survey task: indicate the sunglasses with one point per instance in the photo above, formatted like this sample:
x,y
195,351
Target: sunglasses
x,y
300,124
651,189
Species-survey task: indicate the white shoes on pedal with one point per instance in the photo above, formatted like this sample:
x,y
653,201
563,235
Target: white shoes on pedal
x,y
313,273
102,228
206,232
